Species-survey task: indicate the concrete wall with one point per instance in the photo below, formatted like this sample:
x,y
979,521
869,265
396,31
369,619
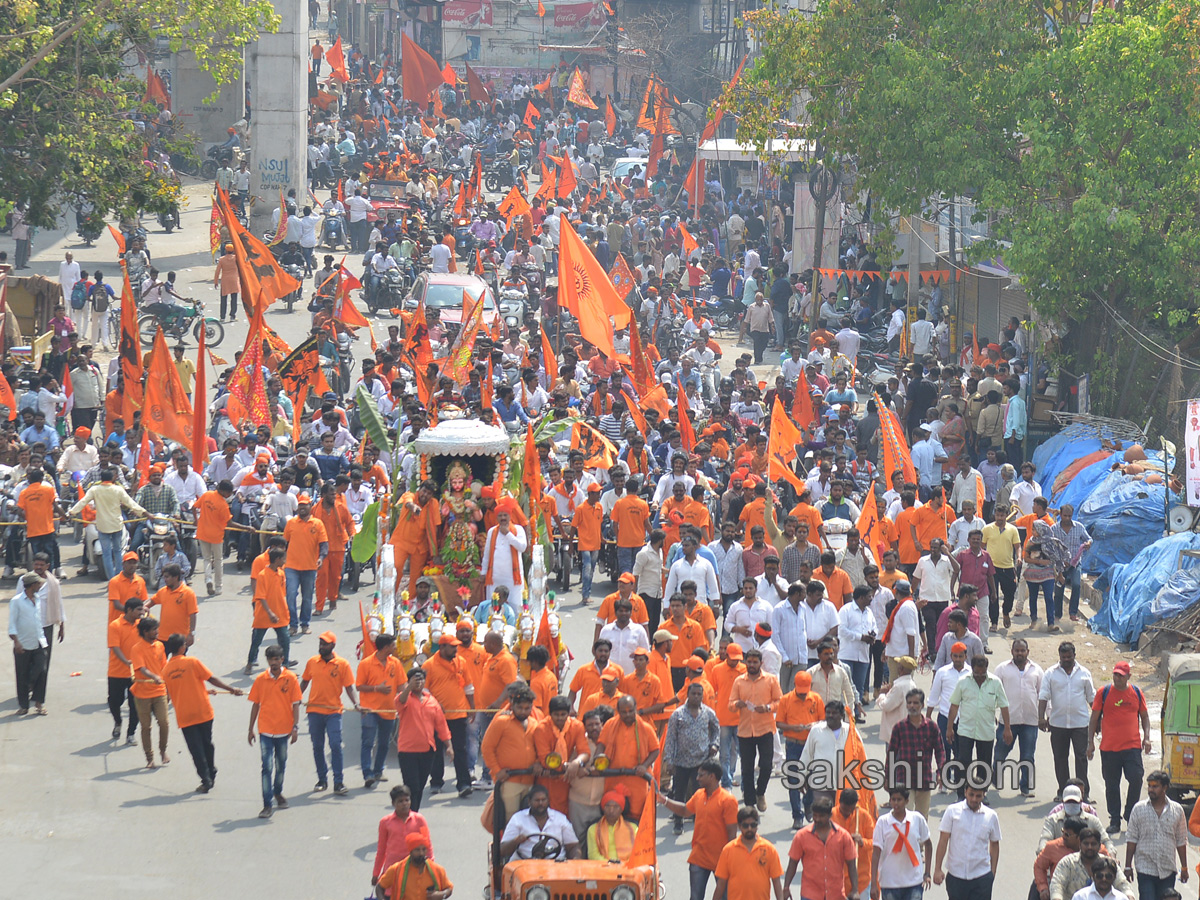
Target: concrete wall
x,y
203,115
277,67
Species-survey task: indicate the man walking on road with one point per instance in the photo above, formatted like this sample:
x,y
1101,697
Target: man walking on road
x,y
185,678
328,674
755,696
276,710
1117,711
968,848
972,720
1157,832
1022,682
1069,691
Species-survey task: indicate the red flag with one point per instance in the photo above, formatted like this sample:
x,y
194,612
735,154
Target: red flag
x,y
337,61
420,74
167,411
476,89
585,290
610,117
199,446
686,431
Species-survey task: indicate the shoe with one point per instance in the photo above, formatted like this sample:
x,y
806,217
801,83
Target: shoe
x,y
987,650
1114,827
23,711
116,733
208,586
291,663
321,785
130,740
1053,629
797,824
381,779
82,572
266,813
465,793
1074,618
341,790
762,803
249,670
8,572
435,789
369,782
1007,622
205,787
677,827
293,630
281,801
1027,794
166,760
1032,622
304,629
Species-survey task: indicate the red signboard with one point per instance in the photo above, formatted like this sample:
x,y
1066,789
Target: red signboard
x,y
468,13
577,15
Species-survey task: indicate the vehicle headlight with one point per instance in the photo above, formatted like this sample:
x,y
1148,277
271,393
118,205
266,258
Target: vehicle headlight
x,y
538,892
623,892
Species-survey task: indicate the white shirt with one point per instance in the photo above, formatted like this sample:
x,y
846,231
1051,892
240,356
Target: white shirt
x,y
895,869
825,745
701,571
764,590
439,255
960,530
853,623
817,622
944,680
187,491
906,624
879,604
848,341
921,332
624,642
789,631
523,825
1070,696
68,274
501,571
968,854
935,578
895,323
893,706
1022,688
1090,893
1022,496
358,206
965,489
750,614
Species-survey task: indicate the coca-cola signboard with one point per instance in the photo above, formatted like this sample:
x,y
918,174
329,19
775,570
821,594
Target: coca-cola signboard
x,y
577,15
468,13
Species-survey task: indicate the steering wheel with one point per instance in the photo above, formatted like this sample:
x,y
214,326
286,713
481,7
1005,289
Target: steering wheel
x,y
546,847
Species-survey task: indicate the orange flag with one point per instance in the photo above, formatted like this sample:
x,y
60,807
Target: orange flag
x,y
143,457
599,452
531,471
657,400
694,183
167,411
689,242
781,446
416,341
549,363
641,372
298,414
449,76
531,114
129,351
246,383
426,131
199,446
420,74
584,288
337,61
635,413
645,850
7,398
546,190
541,9
646,115
868,524
610,117
489,387
119,238
379,76
567,182
513,205
980,493
895,448
475,86
802,406
656,152
263,279
577,92
686,431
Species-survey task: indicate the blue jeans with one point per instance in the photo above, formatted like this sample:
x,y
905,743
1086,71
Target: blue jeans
x,y
304,580
587,565
110,552
473,740
48,544
319,725
377,734
729,755
1151,887
1047,588
859,672
780,327
625,557
908,893
698,881
274,755
801,801
1025,736
1071,576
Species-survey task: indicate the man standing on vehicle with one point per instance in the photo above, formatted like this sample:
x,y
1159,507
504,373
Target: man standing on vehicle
x,y
358,206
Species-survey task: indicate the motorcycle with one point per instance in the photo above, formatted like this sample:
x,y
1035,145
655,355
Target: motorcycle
x,y
177,321
9,515
499,176
157,530
725,312
89,225
169,220
388,292
297,272
333,232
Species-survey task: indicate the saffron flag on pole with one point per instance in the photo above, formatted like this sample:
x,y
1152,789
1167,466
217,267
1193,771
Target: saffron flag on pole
x,y
281,228
577,92
302,370
686,431
689,243
129,352
610,117
598,451
214,230
449,76
549,363
547,189
640,370
896,455
263,279
246,383
416,345
541,9
781,446
802,407
531,114
458,361
531,470
476,89
167,411
567,182
583,288
336,57
199,446
420,75
868,524
644,851
622,277
513,205
656,152
7,398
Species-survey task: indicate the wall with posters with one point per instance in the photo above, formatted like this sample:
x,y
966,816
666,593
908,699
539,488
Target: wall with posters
x,y
508,37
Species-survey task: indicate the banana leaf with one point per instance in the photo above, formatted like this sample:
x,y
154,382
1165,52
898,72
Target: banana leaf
x,y
372,420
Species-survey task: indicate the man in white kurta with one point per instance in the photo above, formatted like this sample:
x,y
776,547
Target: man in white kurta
x,y
502,556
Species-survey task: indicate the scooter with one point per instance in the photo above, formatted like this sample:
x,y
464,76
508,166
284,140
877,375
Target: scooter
x,y
333,232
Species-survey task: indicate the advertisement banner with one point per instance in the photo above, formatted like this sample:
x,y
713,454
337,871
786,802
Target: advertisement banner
x,y
577,15
468,13
1193,453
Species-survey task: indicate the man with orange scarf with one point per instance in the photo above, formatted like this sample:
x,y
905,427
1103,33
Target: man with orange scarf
x,y
502,553
415,537
611,839
561,748
629,742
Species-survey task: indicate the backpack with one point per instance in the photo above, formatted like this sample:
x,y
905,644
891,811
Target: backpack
x,y
99,296
79,295
1104,699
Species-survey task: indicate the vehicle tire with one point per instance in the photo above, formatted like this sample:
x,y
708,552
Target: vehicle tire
x,y
491,182
152,555
208,169
147,328
214,331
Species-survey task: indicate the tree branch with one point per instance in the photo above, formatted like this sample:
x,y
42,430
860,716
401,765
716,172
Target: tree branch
x,y
45,51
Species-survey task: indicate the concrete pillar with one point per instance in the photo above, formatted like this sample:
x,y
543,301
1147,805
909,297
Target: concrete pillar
x,y
195,107
277,66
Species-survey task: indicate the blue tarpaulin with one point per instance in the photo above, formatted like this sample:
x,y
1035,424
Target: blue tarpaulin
x,y
1130,588
1063,455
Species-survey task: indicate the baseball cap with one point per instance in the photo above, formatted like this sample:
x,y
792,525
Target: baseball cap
x,y
328,637
1121,668
663,635
640,651
594,489
733,651
1072,793
627,578
129,555
449,640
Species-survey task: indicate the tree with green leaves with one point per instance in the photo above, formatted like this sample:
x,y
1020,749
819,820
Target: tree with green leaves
x,y
70,111
1074,129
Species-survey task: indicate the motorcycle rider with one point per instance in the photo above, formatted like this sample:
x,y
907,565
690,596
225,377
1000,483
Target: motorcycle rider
x,y
333,228
381,264
158,499
251,484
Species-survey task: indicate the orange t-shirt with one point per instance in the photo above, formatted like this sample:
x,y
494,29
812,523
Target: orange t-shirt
x,y
702,614
544,685
508,744
586,680
326,680
721,677
837,585
177,607
748,872
630,515
498,673
806,512
930,524
598,698
372,673
909,554
276,698
647,691
259,564
588,517
304,538
121,589
606,613
121,634
696,513
151,656
714,814
796,710
410,533
684,640
37,502
568,743
270,592
474,658
753,513
447,680
339,524
710,695
214,516
185,677
627,745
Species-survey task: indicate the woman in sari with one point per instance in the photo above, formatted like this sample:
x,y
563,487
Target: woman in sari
x,y
953,435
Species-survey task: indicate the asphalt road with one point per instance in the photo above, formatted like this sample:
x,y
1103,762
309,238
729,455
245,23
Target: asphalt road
x,y
83,818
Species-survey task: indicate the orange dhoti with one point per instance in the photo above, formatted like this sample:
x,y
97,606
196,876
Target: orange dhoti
x,y
329,578
417,558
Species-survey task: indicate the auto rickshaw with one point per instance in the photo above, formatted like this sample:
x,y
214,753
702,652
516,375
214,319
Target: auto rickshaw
x,y
1180,723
